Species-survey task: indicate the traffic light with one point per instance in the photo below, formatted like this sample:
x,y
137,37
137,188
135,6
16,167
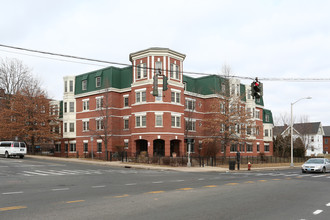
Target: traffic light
x,y
155,89
165,83
256,89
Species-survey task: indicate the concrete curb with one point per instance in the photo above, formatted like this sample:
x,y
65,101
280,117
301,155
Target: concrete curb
x,y
154,167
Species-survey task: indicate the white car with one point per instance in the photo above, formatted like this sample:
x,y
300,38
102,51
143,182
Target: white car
x,y
12,148
316,165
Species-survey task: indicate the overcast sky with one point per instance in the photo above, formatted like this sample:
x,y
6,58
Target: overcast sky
x,y
265,39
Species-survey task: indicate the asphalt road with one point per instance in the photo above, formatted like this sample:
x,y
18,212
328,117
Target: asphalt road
x,y
42,189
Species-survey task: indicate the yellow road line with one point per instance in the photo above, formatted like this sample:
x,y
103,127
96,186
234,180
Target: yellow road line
x,y
155,192
210,186
185,188
122,196
232,184
68,202
276,179
12,208
288,178
262,180
249,182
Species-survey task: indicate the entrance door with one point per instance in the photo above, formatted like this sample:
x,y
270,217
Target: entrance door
x,y
159,147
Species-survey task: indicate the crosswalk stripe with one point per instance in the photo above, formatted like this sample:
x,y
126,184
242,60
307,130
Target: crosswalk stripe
x,y
49,172
34,173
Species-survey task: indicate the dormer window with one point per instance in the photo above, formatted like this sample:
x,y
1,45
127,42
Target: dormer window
x,y
84,85
98,81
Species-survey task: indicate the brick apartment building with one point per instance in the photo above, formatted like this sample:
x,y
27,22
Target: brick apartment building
x,y
140,121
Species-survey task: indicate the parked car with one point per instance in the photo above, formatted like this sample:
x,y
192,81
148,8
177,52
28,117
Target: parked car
x,y
12,148
316,165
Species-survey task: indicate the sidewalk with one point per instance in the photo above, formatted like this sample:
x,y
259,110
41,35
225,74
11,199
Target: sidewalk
x,y
159,167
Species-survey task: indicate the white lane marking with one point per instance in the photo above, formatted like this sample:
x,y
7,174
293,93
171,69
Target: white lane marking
x,y
98,186
10,193
158,182
34,173
60,189
317,212
130,184
328,204
201,179
318,176
292,175
49,172
175,181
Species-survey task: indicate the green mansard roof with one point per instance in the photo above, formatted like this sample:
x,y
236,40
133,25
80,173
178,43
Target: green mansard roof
x,y
113,77
267,113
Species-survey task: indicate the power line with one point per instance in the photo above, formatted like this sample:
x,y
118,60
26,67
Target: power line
x,y
186,72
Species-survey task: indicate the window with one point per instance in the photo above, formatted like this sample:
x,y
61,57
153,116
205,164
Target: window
x,y
84,85
72,147
326,141
242,147
249,148
58,147
258,147
86,147
65,127
174,71
266,147
71,127
65,107
126,104
266,132
86,105
66,147
140,121
99,147
175,97
85,125
65,86
99,102
312,138
71,106
267,118
140,96
126,123
190,104
98,82
159,120
158,66
159,98
233,148
99,124
176,121
191,125
141,71
257,114
257,131
71,86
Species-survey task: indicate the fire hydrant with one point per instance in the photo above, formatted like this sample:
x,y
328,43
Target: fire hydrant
x,y
249,166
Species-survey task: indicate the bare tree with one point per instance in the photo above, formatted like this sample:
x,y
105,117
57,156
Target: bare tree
x,y
228,122
14,76
103,122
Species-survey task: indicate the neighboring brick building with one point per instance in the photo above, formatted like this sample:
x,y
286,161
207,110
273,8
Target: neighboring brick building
x,y
326,140
139,120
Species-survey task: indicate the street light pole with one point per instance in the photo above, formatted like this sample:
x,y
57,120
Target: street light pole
x,y
292,165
